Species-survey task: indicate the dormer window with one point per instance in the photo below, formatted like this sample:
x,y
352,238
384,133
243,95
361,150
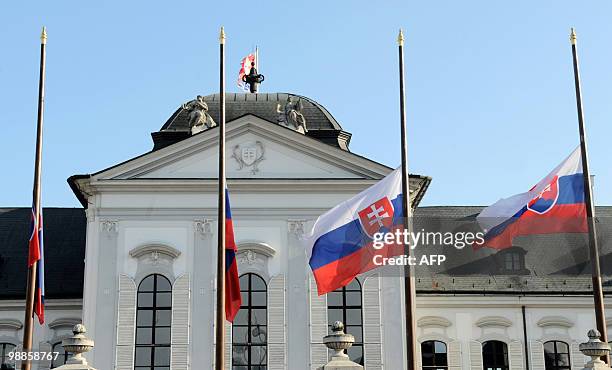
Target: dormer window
x,y
511,261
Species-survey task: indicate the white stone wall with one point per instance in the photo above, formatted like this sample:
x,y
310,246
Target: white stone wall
x,y
463,323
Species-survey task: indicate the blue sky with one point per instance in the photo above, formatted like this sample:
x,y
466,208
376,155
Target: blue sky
x,y
490,92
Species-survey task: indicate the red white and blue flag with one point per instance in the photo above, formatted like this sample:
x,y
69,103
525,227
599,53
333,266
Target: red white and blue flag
x,y
36,254
339,246
245,69
554,205
233,299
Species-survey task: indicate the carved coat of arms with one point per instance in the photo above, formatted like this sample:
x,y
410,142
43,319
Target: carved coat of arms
x,y
249,155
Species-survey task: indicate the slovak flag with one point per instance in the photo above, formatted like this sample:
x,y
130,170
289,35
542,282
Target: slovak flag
x,y
554,205
245,69
339,246
233,299
36,254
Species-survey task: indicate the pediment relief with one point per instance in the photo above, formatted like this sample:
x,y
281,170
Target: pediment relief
x,y
493,321
555,321
10,324
433,321
254,148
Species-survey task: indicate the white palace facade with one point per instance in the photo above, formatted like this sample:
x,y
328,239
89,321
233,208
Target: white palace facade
x,y
136,264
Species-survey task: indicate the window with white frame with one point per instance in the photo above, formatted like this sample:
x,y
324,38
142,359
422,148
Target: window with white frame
x,y
556,355
153,319
250,326
5,363
434,355
345,304
495,355
62,356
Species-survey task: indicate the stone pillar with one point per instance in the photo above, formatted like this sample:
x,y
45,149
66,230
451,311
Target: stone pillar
x,y
76,345
595,349
338,342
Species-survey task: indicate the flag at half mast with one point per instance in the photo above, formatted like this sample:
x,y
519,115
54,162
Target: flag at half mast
x,y
340,245
233,299
554,205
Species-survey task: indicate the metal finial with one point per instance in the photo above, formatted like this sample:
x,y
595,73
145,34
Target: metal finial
x,y
43,36
573,36
400,38
222,36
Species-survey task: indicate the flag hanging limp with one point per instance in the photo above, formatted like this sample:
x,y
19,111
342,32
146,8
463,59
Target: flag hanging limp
x,y
233,299
36,254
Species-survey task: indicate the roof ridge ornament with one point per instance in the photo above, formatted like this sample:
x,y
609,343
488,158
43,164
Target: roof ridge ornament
x,y
199,119
290,115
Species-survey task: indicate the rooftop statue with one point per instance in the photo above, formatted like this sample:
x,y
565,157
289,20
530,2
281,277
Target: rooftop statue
x,y
291,115
199,119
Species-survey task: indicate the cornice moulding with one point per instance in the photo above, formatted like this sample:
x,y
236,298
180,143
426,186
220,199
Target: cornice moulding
x,y
151,248
10,324
64,322
493,321
436,321
258,247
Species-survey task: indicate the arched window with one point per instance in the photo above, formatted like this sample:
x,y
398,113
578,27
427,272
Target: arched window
x,y
5,349
153,318
556,355
495,355
345,304
433,355
61,358
250,326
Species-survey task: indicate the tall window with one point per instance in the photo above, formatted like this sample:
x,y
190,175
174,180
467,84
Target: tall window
x,y
5,349
345,305
433,355
495,355
153,318
556,355
61,358
250,326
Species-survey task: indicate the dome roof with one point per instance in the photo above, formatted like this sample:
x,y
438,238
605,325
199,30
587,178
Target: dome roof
x,y
319,122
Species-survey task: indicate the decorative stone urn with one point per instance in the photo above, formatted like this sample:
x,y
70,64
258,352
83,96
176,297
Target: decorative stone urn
x,y
76,345
595,349
339,341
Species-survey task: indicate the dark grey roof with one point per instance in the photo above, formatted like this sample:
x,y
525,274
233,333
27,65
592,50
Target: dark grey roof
x,y
552,263
320,123
64,246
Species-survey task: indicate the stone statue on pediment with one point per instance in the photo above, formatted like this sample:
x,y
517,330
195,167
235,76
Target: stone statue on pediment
x,y
290,115
199,119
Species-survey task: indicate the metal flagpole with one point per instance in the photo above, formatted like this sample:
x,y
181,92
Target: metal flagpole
x,y
257,58
590,207
28,326
220,323
409,284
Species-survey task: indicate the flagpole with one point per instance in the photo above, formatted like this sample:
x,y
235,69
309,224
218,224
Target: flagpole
x,y
28,326
409,284
257,57
590,207
220,324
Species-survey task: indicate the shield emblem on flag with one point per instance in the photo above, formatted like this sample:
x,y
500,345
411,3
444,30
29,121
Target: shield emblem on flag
x,y
377,217
546,199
